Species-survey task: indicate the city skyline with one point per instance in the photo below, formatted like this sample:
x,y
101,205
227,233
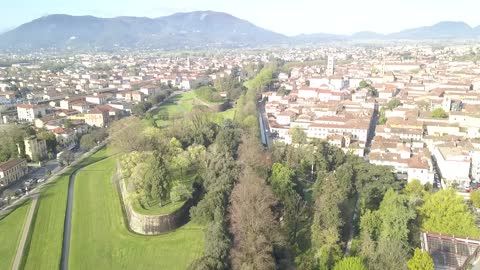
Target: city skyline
x,y
279,16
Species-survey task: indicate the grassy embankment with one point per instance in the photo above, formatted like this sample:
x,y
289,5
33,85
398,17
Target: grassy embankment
x,y
100,239
10,233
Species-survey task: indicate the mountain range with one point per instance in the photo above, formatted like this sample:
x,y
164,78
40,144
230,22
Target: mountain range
x,y
199,29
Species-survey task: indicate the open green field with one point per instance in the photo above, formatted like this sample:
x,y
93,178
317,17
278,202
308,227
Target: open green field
x,y
100,239
183,103
222,116
46,243
10,233
178,104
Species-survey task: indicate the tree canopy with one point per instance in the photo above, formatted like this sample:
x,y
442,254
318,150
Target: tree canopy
x,y
439,113
421,260
350,263
445,212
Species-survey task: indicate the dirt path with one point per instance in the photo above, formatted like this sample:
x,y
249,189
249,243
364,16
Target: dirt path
x,y
25,232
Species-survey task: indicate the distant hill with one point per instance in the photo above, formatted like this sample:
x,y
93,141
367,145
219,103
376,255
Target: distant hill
x,y
194,29
367,35
318,37
442,30
199,29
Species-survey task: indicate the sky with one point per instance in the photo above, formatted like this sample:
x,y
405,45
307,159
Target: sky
x,y
290,17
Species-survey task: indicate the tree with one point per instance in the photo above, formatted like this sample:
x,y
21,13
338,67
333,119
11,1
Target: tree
x,y
421,260
50,140
363,84
350,263
445,212
253,225
298,135
331,192
11,142
294,208
180,192
281,181
261,81
372,182
141,108
127,135
283,91
382,118
439,113
414,188
68,123
395,214
8,193
158,183
393,103
390,254
475,198
66,157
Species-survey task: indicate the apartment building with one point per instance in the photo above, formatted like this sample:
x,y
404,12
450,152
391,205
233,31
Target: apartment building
x,y
12,171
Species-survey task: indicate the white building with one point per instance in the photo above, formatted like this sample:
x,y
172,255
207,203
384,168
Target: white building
x,y
453,163
421,170
28,112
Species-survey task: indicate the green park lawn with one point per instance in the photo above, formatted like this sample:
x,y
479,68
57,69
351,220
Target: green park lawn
x,y
178,105
154,208
100,239
10,232
45,247
222,116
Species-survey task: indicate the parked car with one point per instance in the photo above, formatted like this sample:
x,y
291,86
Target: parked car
x,y
28,183
41,180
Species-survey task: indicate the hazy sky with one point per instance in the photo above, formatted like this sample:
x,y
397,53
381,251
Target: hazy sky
x,y
287,17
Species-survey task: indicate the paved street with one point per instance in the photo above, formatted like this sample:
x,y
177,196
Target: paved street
x,y
51,166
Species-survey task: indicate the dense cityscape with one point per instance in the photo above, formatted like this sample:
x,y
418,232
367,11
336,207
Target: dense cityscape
x,y
337,155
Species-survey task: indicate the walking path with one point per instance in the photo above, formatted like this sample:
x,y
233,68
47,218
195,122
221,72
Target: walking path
x,y
25,233
68,222
68,215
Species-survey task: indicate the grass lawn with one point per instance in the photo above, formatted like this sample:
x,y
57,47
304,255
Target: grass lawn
x,y
183,103
175,107
100,239
222,116
10,232
46,243
155,209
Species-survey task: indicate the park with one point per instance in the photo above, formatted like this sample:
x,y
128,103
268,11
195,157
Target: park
x,y
99,236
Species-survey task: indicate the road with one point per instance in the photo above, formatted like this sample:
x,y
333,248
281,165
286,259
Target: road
x,y
51,166
25,232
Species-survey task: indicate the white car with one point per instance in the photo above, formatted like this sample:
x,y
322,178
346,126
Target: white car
x,y
41,180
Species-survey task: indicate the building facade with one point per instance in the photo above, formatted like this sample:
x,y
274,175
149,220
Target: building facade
x,y
35,149
28,112
12,171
